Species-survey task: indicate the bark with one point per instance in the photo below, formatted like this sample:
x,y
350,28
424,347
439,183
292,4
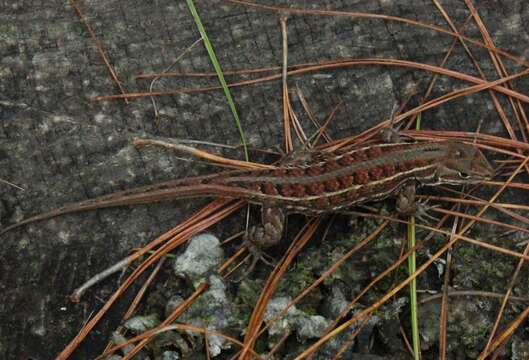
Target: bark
x,y
60,146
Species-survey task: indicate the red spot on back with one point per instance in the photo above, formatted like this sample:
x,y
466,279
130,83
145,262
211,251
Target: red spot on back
x,y
315,188
389,170
332,185
374,152
298,190
269,189
346,181
361,177
286,190
376,173
346,160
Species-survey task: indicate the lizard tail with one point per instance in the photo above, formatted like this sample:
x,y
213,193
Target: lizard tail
x,y
202,186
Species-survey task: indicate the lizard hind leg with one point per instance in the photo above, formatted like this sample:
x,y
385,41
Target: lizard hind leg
x,y
390,134
264,235
408,205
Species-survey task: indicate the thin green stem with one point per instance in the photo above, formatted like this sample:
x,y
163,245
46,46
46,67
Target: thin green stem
x,y
412,267
220,75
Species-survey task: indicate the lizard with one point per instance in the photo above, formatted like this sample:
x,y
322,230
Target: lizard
x,y
316,183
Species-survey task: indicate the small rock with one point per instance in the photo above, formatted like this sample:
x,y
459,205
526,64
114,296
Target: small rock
x,y
520,349
142,323
172,304
169,355
283,325
203,254
213,310
335,304
118,339
306,326
309,327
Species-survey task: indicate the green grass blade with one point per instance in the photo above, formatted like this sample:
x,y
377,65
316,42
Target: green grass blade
x,y
418,122
220,75
412,267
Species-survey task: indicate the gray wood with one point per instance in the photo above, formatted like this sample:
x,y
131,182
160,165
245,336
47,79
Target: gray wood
x,y
62,147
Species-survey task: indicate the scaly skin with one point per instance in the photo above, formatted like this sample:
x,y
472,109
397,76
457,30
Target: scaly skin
x,y
319,182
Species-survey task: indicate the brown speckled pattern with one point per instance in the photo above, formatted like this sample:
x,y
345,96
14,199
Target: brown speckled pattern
x,y
341,179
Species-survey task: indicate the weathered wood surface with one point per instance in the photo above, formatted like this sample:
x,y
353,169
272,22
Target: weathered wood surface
x,y
61,147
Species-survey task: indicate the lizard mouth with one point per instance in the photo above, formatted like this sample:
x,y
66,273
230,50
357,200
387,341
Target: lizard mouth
x,y
462,176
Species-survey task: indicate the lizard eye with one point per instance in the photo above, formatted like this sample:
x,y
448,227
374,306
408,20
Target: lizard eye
x,y
463,175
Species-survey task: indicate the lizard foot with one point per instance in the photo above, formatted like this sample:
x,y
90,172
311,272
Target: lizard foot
x,y
407,205
265,235
256,255
421,212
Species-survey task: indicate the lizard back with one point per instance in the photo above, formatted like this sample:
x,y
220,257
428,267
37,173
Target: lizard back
x,y
335,180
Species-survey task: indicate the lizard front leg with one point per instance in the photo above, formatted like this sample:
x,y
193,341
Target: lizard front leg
x,y
408,205
264,235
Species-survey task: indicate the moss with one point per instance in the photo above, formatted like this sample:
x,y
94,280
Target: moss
x,y
481,269
247,296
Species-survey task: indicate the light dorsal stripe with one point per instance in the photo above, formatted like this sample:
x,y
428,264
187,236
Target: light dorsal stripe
x,y
407,175
427,151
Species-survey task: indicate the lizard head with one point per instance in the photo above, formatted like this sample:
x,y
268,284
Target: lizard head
x,y
464,164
